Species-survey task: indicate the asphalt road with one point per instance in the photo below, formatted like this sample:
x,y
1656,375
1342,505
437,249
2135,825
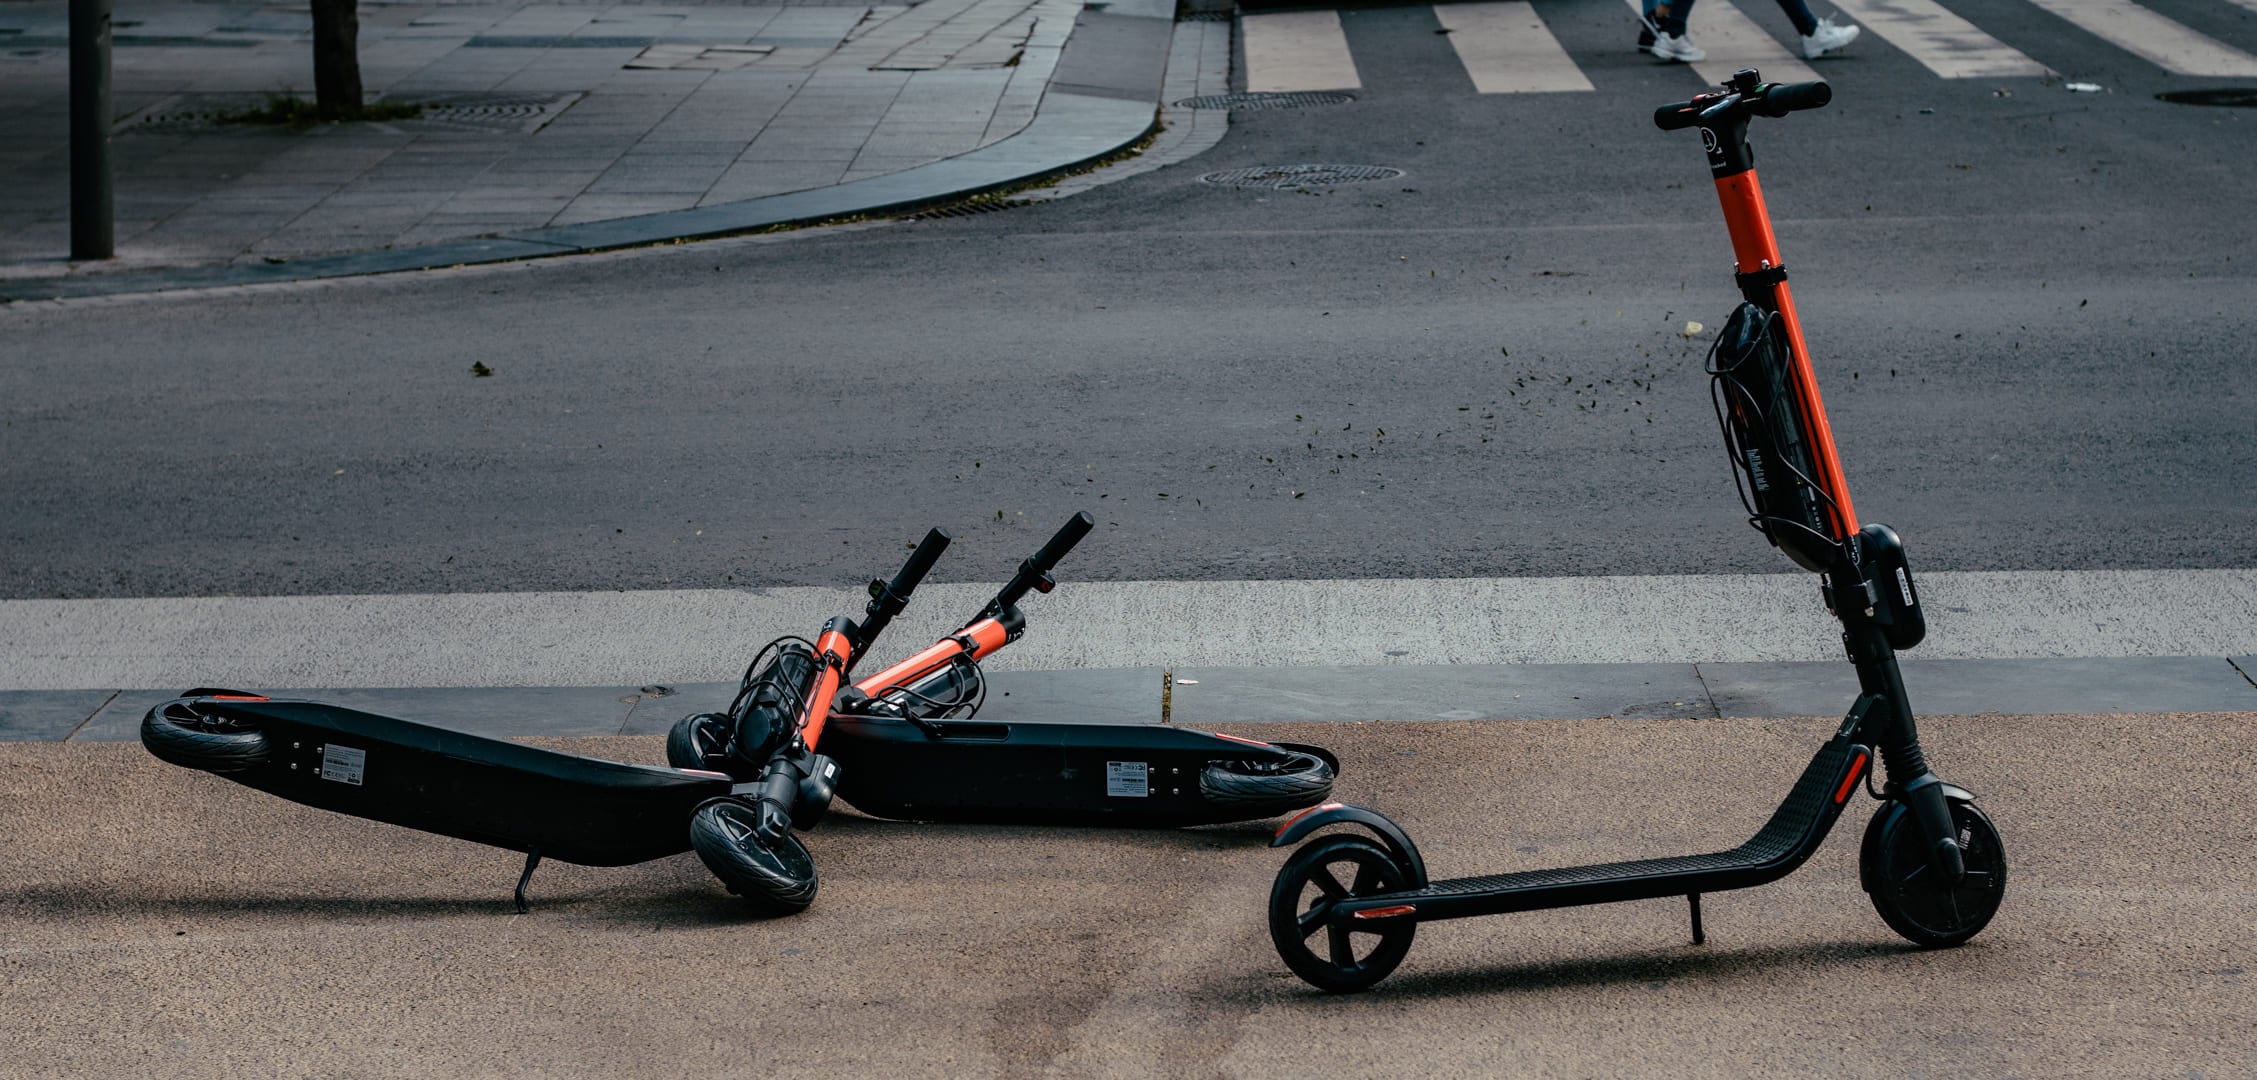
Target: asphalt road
x,y
159,921
2029,312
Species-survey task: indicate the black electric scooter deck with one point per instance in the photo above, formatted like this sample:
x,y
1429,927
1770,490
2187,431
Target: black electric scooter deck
x,y
1084,774
1795,830
490,791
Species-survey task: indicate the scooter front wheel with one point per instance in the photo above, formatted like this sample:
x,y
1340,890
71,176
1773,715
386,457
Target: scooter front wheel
x,y
699,741
179,732
1352,957
1267,788
1911,896
775,877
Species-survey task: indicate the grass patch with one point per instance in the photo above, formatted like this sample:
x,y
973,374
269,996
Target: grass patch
x,y
296,112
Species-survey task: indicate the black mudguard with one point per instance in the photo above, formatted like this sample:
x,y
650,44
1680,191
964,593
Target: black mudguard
x,y
1391,836
489,791
1036,773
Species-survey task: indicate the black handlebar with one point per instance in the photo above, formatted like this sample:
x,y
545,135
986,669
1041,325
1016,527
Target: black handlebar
x,y
887,600
920,563
1767,99
1779,99
1034,574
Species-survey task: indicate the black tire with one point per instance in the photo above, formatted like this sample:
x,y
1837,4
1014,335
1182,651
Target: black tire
x,y
1296,915
775,879
699,741
1915,900
1257,789
178,732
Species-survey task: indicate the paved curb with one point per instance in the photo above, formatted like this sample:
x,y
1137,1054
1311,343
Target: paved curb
x,y
1102,98
1228,697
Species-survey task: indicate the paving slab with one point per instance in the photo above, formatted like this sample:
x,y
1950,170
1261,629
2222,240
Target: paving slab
x,y
48,715
1215,695
2088,684
969,75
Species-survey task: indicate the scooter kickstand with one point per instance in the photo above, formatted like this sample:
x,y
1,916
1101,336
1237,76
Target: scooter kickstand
x,y
1700,937
532,859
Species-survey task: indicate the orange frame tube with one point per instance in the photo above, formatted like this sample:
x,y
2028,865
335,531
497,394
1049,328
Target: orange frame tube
x,y
1756,249
987,634
832,650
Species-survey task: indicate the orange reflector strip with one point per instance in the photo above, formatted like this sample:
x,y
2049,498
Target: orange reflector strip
x,y
1856,769
1386,912
1236,739
237,697
1305,813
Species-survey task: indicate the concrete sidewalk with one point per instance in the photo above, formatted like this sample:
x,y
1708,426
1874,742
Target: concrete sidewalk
x,y
544,119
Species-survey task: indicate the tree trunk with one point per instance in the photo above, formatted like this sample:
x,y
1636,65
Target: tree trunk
x,y
336,57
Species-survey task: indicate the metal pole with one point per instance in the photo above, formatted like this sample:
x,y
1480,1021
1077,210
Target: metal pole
x,y
93,235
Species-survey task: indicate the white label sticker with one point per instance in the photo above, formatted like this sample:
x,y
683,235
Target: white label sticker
x,y
1904,586
1127,779
343,764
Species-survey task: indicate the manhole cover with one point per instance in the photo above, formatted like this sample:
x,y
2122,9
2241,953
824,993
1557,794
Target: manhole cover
x,y
1286,177
1246,102
2240,96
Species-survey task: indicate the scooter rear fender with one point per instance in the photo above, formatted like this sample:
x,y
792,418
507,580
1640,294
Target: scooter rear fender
x,y
1391,836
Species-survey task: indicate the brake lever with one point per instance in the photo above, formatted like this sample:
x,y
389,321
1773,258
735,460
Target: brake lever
x,y
1716,112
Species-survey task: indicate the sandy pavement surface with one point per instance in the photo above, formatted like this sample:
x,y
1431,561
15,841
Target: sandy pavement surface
x,y
162,922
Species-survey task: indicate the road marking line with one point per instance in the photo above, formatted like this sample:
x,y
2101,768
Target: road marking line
x,y
1733,41
1948,45
1297,50
1506,49
705,635
2152,37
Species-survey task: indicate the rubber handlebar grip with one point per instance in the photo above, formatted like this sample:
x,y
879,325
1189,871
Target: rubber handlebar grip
x,y
1784,98
920,562
1681,114
1067,536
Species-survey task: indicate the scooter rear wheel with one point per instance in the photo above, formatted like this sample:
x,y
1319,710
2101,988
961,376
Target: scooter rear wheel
x,y
1265,788
1305,891
699,741
1909,893
178,732
776,878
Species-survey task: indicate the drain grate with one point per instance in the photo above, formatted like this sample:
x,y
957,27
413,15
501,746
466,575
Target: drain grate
x,y
1250,102
2236,96
459,112
1287,177
965,209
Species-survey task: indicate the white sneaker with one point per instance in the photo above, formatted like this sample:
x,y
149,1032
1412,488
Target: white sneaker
x,y
1679,47
1827,37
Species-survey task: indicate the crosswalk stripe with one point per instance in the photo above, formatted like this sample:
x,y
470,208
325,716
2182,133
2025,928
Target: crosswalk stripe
x,y
1948,45
2167,44
1506,49
1297,50
1733,41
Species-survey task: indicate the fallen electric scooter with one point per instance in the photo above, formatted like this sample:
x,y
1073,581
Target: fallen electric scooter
x,y
909,745
544,803
1930,861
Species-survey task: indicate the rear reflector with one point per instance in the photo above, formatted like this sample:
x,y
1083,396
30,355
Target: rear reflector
x,y
1386,912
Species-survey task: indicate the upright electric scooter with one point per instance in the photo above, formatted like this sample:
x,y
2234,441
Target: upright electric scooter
x,y
1930,860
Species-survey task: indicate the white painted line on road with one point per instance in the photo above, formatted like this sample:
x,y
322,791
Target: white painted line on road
x,y
632,638
2152,37
1297,50
1506,49
1733,41
1948,45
